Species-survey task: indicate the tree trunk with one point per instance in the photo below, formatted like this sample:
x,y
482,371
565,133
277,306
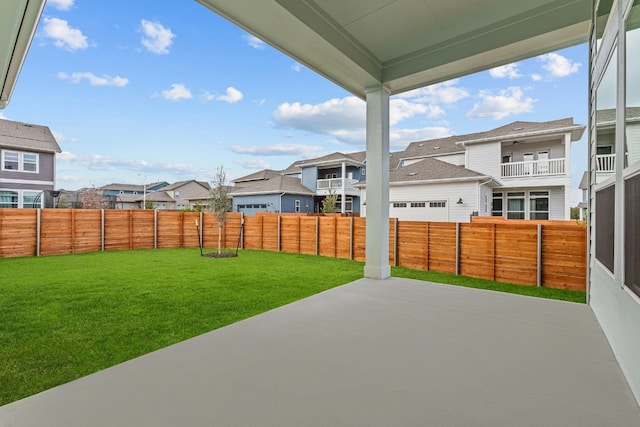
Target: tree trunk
x,y
219,239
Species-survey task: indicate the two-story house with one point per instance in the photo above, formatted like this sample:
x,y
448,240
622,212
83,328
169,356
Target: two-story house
x,y
178,195
28,167
129,196
517,171
302,187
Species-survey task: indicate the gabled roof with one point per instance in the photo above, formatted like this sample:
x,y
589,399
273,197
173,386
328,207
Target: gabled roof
x,y
258,176
123,187
355,159
584,182
522,129
430,169
433,147
179,184
24,136
277,185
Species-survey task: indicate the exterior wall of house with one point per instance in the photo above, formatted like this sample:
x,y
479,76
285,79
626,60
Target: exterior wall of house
x,y
310,177
613,272
633,150
288,203
484,158
186,192
454,159
432,195
485,199
556,200
555,148
251,204
44,178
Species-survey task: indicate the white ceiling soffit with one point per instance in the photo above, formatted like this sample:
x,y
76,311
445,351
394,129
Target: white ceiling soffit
x,y
18,22
405,44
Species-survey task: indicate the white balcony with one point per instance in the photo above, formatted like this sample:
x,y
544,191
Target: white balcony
x,y
533,168
334,185
605,163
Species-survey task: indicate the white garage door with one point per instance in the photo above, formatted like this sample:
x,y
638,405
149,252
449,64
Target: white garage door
x,y
419,211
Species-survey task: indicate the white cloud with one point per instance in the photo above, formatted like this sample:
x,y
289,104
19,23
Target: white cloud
x,y
2,116
505,71
536,77
440,93
299,150
296,67
254,42
558,66
60,137
61,4
253,164
400,138
232,96
64,36
344,118
156,38
507,102
96,162
94,80
177,92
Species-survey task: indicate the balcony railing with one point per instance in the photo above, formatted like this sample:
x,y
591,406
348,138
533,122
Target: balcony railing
x,y
533,168
335,184
605,163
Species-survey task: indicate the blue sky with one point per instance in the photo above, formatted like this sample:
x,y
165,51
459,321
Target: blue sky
x,y
147,90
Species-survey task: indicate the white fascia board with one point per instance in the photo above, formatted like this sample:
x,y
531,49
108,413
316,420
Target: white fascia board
x,y
576,133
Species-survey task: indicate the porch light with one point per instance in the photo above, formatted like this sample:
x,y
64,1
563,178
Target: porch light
x,y
460,201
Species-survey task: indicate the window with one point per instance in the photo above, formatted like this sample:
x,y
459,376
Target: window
x,y
437,204
330,175
20,199
527,158
539,205
418,204
297,206
8,199
507,158
348,206
496,207
177,194
543,162
515,205
605,219
631,233
20,162
399,205
604,149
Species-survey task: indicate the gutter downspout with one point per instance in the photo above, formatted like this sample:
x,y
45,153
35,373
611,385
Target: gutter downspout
x,y
280,207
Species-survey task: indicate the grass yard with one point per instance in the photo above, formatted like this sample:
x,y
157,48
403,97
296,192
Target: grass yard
x,y
63,317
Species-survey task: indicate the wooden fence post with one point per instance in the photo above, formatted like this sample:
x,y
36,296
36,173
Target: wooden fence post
x,y
38,231
426,252
279,248
200,229
493,253
155,229
539,267
395,242
102,230
457,248
130,229
351,238
317,235
73,231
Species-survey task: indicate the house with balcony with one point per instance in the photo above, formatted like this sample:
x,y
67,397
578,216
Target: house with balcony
x,y
28,169
517,171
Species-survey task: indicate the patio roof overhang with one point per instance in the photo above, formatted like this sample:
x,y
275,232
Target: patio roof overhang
x,y
406,44
378,48
18,21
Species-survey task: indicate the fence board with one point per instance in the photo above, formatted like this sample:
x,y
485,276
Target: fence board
x,y
308,235
327,225
442,247
18,232
359,239
290,234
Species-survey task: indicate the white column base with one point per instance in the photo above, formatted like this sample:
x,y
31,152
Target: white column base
x,y
379,273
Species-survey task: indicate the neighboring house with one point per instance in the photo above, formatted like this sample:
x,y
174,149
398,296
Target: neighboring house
x,y
605,154
583,206
434,190
178,195
129,196
28,169
278,194
517,171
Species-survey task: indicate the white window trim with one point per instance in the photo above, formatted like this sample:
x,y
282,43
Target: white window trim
x,y
21,155
21,196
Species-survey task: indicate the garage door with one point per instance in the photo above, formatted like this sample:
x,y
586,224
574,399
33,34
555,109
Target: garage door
x,y
419,211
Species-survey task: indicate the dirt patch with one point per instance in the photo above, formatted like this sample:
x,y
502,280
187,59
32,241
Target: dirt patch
x,y
221,255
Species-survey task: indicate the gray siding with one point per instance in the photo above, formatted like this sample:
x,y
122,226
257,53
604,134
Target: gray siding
x,y
46,172
309,177
289,200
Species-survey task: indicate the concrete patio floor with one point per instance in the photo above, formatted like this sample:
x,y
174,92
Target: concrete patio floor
x,y
396,352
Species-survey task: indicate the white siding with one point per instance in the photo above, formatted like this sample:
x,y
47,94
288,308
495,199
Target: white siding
x,y
555,147
486,194
557,206
454,159
485,158
633,150
449,192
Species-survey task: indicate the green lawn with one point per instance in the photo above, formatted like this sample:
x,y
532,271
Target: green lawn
x,y
63,317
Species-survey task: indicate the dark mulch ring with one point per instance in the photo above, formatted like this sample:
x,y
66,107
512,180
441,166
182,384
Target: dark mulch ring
x,y
220,255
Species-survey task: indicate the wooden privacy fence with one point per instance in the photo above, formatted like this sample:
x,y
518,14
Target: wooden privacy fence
x,y
551,255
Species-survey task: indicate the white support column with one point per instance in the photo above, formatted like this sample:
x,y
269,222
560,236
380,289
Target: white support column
x,y
567,171
377,234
